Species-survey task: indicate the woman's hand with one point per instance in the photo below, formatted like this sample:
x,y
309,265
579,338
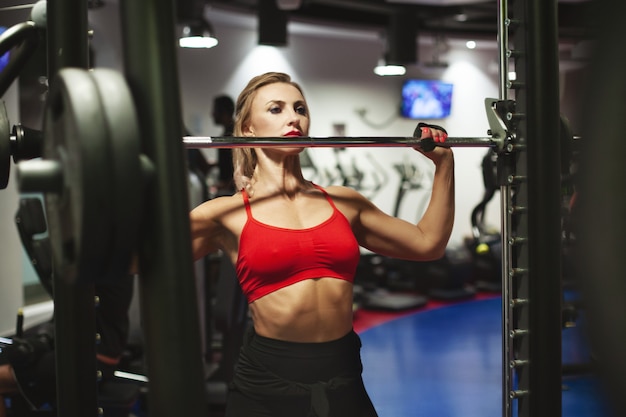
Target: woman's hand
x,y
438,135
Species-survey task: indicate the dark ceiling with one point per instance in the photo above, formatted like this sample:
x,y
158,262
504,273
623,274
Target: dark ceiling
x,y
431,16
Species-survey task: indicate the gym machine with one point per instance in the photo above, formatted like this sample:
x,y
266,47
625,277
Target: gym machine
x,y
146,176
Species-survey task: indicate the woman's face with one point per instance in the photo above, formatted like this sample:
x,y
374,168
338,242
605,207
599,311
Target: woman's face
x,y
278,109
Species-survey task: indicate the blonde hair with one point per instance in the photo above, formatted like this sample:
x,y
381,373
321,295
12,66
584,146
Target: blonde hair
x,y
244,159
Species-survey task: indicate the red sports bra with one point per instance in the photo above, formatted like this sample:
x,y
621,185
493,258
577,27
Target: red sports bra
x,y
271,258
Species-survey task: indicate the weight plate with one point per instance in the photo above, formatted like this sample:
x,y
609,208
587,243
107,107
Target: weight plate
x,y
5,147
126,180
80,216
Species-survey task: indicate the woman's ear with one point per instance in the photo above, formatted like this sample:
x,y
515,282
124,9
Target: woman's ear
x,y
247,130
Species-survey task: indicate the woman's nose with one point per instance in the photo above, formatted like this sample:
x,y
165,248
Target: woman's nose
x,y
294,119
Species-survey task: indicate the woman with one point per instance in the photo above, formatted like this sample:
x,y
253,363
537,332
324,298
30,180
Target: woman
x,y
295,247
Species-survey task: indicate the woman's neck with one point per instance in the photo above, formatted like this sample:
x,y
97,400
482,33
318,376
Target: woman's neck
x,y
279,178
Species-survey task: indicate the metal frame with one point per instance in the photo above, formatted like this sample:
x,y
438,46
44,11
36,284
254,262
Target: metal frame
x,y
74,303
167,285
530,204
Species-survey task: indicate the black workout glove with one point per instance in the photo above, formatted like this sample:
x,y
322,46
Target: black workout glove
x,y
426,144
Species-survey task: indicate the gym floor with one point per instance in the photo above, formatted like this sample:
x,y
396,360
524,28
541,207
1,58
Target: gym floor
x,y
445,360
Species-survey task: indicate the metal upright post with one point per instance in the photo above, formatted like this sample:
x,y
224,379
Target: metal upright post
x,y
169,305
74,302
505,204
532,335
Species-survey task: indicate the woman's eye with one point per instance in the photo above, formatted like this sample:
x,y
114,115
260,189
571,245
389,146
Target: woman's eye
x,y
275,110
301,110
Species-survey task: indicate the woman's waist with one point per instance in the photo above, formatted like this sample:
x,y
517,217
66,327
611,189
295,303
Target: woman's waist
x,y
305,312
318,327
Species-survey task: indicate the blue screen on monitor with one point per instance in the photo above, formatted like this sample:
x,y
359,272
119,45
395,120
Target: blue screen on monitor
x,y
426,99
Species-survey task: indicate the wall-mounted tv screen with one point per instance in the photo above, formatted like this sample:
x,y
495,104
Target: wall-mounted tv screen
x,y
426,99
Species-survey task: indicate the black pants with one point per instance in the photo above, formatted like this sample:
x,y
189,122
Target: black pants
x,y
274,378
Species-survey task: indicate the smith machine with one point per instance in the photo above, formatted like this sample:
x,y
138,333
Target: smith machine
x,y
114,181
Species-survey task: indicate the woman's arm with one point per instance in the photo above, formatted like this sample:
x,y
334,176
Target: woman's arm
x,y
426,240
204,230
216,225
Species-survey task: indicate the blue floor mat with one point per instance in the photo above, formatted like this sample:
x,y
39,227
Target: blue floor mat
x,y
447,362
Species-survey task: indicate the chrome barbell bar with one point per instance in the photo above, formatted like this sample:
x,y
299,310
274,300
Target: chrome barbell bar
x,y
199,142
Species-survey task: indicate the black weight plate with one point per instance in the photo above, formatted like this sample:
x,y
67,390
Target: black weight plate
x,y
80,217
126,179
5,147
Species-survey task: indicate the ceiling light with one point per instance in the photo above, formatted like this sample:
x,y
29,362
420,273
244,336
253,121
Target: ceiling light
x,y
400,45
470,44
198,34
383,69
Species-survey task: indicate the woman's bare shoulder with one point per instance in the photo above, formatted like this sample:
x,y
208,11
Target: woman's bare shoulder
x,y
345,193
219,206
348,200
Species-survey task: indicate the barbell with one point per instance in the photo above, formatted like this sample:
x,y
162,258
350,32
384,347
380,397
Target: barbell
x,y
23,143
427,144
93,174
